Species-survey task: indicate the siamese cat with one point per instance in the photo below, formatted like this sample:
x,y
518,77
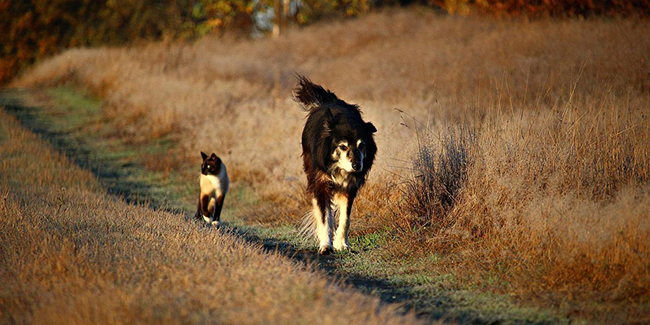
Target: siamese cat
x,y
213,183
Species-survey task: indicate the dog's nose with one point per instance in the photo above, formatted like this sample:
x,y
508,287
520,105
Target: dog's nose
x,y
356,166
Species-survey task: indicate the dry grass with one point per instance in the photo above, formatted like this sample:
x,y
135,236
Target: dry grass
x,y
554,198
72,255
434,188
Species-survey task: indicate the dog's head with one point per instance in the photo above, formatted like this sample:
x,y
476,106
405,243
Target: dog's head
x,y
211,164
352,147
341,139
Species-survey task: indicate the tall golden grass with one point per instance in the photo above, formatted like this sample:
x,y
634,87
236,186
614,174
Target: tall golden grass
x,y
550,192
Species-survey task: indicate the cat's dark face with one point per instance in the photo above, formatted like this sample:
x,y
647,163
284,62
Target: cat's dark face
x,y
211,164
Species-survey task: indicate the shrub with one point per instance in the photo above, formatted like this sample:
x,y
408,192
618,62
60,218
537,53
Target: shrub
x,y
439,172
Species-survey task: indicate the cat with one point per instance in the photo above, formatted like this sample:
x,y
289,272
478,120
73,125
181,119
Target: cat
x,y
213,183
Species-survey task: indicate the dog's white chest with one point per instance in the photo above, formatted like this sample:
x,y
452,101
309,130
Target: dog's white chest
x,y
342,178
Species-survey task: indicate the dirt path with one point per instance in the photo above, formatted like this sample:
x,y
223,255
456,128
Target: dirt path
x,y
329,264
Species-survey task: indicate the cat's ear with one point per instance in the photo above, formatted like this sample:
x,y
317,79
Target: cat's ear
x,y
203,155
213,156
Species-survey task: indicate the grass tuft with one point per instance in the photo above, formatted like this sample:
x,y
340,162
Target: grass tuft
x,y
439,173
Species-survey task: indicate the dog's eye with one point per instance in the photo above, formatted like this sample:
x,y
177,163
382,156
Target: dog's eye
x,y
361,146
208,166
343,147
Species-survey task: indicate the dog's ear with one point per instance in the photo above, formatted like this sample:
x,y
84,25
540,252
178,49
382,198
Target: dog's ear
x,y
203,155
330,120
371,127
213,156
320,154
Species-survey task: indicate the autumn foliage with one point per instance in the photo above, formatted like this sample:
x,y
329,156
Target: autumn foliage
x,y
34,29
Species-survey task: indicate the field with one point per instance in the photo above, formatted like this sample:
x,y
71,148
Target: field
x,y
513,155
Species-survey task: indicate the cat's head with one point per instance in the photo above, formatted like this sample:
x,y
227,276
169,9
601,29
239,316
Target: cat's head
x,y
211,164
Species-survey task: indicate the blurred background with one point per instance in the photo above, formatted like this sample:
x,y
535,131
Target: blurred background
x,y
34,29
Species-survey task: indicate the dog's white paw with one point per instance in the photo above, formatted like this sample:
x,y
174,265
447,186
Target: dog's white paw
x,y
341,245
325,250
216,223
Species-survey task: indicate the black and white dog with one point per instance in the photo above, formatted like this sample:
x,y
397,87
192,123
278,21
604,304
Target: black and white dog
x,y
338,150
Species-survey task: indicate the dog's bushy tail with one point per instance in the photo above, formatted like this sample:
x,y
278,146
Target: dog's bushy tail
x,y
311,95
307,230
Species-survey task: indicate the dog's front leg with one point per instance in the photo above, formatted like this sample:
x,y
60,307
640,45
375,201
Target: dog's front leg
x,y
323,226
343,204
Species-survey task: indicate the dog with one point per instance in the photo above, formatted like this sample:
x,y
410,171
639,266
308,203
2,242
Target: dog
x,y
338,149
213,183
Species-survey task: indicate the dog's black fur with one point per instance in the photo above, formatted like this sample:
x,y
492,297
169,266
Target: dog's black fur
x,y
330,121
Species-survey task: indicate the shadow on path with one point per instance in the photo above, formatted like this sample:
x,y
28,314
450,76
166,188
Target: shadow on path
x,y
26,106
387,292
